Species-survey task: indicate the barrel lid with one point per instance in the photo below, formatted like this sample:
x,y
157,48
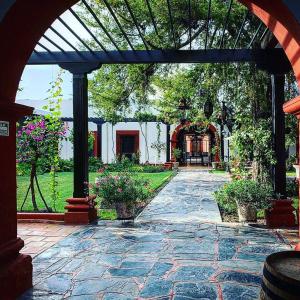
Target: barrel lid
x,y
285,265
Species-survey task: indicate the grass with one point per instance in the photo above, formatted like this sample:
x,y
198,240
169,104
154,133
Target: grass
x,y
65,189
291,174
217,172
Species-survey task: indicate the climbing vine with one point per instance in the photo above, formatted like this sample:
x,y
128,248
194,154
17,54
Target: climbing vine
x,y
159,146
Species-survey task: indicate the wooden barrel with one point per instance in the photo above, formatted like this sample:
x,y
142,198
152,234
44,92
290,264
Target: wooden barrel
x,y
281,276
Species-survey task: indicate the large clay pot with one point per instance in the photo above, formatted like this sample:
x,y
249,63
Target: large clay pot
x,y
124,211
247,213
281,214
215,165
175,165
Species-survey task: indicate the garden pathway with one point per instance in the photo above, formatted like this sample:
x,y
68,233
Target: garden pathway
x,y
163,256
187,198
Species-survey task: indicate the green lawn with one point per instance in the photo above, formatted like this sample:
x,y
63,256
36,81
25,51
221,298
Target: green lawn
x,y
291,174
217,172
65,181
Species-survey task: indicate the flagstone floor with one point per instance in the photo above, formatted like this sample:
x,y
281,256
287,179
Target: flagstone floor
x,y
159,257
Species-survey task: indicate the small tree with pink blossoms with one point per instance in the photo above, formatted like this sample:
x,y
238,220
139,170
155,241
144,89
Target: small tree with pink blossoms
x,y
38,138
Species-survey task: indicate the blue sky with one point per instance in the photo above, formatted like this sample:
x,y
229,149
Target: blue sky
x,y
36,81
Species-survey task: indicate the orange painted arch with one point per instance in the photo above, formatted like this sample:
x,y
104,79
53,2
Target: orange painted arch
x,y
174,138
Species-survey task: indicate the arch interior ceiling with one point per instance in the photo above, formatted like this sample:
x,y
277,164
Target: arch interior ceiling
x,y
102,30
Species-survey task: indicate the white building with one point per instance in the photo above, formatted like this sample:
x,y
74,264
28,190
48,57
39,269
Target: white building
x,y
131,137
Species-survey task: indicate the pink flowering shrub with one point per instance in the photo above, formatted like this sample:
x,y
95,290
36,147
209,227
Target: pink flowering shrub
x,y
38,137
122,187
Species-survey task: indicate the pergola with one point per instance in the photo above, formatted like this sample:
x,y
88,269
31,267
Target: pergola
x,y
80,58
282,18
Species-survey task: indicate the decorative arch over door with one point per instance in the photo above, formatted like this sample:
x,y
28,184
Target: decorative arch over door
x,y
177,132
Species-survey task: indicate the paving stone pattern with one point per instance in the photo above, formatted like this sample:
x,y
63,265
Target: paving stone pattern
x,y
187,198
156,260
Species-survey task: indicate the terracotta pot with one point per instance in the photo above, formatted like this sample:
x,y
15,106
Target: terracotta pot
x,y
281,214
175,165
247,213
124,211
215,165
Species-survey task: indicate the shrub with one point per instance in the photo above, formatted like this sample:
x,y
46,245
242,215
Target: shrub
x,y
95,164
66,165
24,168
292,187
243,192
291,160
177,153
147,169
120,188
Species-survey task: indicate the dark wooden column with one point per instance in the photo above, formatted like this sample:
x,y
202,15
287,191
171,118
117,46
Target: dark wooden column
x,y
168,157
80,129
277,68
278,129
99,135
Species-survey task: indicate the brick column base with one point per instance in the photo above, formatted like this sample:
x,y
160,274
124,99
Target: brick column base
x,y
81,210
15,270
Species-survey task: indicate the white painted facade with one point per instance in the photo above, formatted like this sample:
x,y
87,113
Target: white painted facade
x,y
148,134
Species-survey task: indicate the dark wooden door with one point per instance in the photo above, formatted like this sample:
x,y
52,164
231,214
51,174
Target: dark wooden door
x,y
127,145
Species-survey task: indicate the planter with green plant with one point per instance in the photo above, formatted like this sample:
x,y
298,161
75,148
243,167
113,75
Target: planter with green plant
x,y
215,164
245,196
121,191
281,212
177,156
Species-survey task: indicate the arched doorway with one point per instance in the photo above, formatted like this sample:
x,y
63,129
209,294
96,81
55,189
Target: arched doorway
x,y
199,145
22,25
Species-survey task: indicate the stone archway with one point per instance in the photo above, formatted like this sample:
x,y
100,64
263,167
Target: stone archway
x,y
22,25
176,136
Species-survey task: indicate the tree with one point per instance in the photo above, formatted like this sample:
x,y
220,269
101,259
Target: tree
x,y
117,88
38,138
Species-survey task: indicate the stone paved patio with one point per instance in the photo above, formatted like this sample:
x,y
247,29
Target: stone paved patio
x,y
155,259
40,236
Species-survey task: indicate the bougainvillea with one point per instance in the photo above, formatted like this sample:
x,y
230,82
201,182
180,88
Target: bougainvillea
x,y
38,137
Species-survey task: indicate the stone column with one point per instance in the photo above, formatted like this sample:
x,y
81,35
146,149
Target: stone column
x,y
15,268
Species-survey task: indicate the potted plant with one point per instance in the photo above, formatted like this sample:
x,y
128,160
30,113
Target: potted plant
x,y
248,195
214,164
121,191
177,155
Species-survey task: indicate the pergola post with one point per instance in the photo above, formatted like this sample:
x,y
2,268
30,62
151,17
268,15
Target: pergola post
x,y
278,129
80,124
277,70
99,138
79,207
80,134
